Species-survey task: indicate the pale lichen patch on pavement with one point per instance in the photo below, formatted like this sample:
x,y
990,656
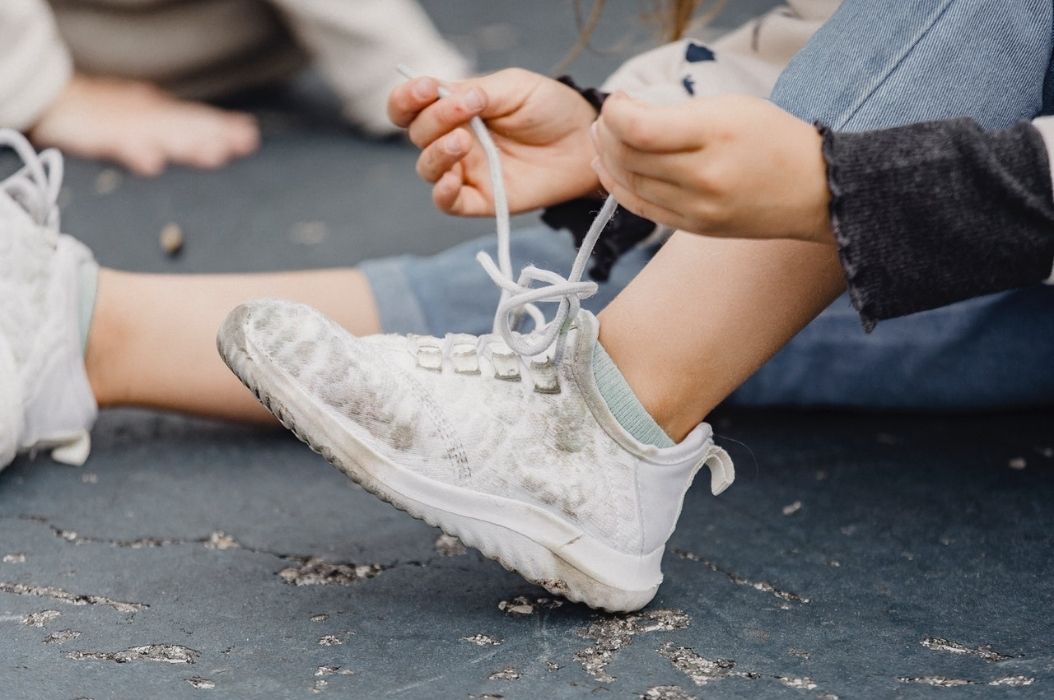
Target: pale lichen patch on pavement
x,y
985,651
40,619
666,692
162,653
1013,681
314,571
70,598
699,669
611,634
524,606
803,683
482,640
61,637
506,674
330,640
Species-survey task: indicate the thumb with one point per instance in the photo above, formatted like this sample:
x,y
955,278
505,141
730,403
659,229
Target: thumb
x,y
651,128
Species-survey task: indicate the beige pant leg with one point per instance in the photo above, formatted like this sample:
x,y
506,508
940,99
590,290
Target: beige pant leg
x,y
196,48
356,44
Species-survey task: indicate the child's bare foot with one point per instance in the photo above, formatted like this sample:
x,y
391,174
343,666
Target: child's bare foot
x,y
142,127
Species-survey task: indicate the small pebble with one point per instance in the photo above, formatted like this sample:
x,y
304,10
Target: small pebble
x,y
107,181
309,233
792,508
1017,463
506,674
482,640
171,239
448,546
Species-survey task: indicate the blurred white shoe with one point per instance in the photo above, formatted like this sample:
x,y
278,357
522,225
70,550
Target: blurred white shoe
x,y
47,402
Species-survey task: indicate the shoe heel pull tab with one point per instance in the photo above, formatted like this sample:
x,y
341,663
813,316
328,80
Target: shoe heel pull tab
x,y
74,451
722,471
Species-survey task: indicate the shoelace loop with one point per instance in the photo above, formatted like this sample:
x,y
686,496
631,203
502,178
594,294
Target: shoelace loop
x,y
520,296
36,186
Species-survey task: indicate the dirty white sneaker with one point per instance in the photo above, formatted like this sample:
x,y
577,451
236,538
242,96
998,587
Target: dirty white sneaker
x,y
46,400
517,456
502,440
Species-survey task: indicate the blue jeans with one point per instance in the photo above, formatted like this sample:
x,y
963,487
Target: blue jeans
x,y
870,66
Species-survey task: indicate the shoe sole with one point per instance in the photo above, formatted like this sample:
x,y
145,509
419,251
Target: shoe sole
x,y
572,573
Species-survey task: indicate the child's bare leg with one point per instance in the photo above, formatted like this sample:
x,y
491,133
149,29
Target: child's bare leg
x,y
705,313
153,337
142,127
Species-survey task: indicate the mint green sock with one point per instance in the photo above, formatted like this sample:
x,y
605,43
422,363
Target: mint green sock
x,y
623,403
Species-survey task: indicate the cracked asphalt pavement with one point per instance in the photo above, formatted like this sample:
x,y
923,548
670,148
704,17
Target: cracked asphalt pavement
x,y
856,556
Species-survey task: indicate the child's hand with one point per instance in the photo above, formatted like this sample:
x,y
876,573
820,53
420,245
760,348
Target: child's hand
x,y
736,167
540,126
142,127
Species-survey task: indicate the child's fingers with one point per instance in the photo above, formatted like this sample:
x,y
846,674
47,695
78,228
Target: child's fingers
x,y
662,194
618,156
445,192
446,115
450,195
651,128
439,157
407,100
638,205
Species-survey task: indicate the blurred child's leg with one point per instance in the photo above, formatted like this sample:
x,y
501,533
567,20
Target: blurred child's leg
x,y
152,341
984,354
141,71
357,45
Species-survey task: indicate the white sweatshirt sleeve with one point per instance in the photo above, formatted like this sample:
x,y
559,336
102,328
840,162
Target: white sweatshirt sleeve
x,y
357,44
747,61
1045,126
34,63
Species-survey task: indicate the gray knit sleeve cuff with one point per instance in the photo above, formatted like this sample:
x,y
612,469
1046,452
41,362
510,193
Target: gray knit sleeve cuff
x,y
931,214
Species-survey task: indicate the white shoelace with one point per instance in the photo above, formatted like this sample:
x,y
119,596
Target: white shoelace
x,y
520,296
36,186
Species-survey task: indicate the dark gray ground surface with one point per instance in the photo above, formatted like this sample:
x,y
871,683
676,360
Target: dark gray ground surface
x,y
919,554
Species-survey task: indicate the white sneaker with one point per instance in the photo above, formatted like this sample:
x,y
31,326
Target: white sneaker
x,y
503,440
518,457
47,401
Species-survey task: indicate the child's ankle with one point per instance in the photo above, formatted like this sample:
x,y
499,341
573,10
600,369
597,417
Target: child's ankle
x,y
624,403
